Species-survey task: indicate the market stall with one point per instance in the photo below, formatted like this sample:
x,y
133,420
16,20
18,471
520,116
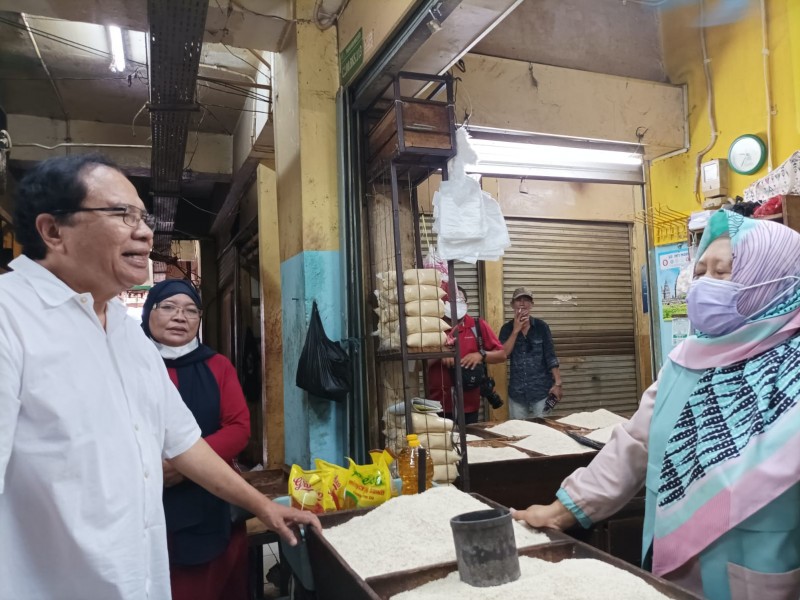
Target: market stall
x,y
547,460
395,549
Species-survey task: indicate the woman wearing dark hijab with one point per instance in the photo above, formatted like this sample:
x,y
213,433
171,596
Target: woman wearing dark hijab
x,y
208,554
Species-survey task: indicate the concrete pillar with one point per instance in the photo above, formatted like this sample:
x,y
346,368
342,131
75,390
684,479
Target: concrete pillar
x,y
306,79
495,302
271,322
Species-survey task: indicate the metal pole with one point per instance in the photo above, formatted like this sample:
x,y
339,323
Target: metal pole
x,y
401,300
458,397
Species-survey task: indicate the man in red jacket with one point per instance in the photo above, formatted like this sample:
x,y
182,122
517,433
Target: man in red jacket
x,y
440,372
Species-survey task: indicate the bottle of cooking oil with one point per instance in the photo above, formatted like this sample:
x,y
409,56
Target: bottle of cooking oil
x,y
408,466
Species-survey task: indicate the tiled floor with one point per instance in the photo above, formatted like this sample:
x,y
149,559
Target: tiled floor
x,y
270,560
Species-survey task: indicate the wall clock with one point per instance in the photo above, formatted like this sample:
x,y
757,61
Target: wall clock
x,y
747,154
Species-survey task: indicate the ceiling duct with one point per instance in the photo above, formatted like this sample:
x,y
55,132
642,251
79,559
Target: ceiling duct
x,y
176,39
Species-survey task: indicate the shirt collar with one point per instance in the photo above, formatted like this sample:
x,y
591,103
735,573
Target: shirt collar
x,y
467,322
51,289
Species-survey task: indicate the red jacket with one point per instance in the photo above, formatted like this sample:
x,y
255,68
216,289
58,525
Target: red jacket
x,y
440,380
234,416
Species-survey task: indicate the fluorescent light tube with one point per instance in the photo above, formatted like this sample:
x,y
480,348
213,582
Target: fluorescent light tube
x,y
510,153
117,49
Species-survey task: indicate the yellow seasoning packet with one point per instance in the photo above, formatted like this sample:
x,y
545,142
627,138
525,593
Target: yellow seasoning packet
x,y
309,489
368,485
340,476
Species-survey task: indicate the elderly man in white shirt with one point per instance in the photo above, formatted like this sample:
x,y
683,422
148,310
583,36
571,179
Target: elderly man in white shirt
x,y
87,410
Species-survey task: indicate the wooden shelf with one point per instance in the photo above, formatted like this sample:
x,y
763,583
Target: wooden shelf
x,y
423,355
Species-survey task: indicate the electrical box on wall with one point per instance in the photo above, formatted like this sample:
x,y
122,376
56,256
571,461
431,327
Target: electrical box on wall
x,y
714,176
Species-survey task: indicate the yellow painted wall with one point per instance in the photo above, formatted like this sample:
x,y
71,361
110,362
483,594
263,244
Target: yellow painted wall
x,y
377,20
522,96
737,74
272,325
306,81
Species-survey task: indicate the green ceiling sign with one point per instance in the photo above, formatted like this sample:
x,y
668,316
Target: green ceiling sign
x,y
352,57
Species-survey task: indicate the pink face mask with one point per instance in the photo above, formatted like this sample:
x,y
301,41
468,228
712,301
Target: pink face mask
x,y
712,304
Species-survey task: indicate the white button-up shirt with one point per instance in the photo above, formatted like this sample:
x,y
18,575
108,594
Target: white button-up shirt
x,y
86,415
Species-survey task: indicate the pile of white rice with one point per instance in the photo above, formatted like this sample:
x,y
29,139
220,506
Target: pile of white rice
x,y
550,442
484,454
516,428
593,420
410,532
602,435
570,579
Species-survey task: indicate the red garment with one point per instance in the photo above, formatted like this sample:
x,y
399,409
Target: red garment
x,y
225,577
440,380
234,417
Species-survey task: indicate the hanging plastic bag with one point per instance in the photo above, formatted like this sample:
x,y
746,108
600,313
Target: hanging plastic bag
x,y
324,366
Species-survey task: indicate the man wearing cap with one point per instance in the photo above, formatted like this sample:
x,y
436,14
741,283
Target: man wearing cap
x,y
528,343
440,372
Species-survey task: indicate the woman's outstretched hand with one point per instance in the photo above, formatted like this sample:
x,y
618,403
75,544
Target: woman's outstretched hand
x,y
553,516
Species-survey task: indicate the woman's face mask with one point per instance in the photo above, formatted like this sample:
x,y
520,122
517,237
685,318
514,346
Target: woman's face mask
x,y
712,304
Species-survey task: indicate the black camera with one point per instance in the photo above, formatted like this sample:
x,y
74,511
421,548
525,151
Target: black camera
x,y
487,391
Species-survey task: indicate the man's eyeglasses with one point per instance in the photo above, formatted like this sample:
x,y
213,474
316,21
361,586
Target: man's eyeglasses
x,y
192,313
131,215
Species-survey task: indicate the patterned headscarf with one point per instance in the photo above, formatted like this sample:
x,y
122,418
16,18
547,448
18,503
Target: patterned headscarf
x,y
725,432
763,252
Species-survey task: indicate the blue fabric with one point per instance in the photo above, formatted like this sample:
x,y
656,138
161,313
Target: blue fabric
x,y
526,410
198,522
532,359
576,510
767,542
726,410
674,383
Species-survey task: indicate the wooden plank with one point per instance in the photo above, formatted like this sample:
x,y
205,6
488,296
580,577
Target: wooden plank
x,y
791,212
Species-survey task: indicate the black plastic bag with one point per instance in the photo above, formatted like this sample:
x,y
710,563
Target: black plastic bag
x,y
324,366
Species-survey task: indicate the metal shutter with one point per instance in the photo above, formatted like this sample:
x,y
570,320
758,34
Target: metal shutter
x,y
580,275
466,274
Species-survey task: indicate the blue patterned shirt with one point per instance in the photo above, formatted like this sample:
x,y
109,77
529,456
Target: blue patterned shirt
x,y
532,359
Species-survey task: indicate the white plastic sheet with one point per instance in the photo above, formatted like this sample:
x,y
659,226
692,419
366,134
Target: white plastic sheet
x,y
468,221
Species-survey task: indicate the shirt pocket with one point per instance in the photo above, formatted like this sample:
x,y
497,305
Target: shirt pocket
x,y
747,584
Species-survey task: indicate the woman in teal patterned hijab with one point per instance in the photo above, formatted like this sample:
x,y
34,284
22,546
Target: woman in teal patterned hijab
x,y
716,440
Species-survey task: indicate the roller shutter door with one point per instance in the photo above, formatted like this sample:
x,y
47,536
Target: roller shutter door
x,y
580,275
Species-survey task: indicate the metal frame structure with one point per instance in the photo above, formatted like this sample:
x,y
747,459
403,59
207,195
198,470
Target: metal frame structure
x,y
417,163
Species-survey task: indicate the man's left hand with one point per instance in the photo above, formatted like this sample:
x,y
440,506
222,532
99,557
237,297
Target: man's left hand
x,y
556,390
471,360
171,474
284,520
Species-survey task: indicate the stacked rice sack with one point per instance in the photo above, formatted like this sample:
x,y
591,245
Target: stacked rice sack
x,y
435,434
424,310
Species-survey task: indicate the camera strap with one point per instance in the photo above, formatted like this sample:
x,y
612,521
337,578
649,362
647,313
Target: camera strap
x,y
479,337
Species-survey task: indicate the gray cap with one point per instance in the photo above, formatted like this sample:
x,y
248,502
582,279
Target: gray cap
x,y
522,291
